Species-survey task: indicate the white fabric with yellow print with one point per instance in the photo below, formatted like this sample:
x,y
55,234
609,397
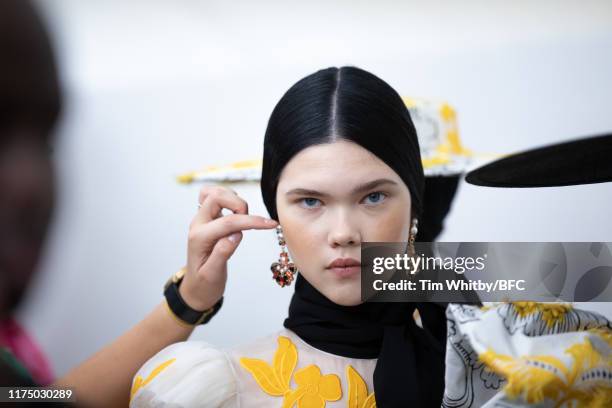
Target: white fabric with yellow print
x,y
279,370
515,354
524,354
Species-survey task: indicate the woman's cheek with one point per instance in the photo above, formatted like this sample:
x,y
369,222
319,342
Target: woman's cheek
x,y
388,229
297,234
306,251
303,242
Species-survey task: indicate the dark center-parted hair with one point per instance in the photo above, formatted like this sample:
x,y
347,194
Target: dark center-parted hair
x,y
342,103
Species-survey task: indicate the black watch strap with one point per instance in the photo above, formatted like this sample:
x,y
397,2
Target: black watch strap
x,y
182,310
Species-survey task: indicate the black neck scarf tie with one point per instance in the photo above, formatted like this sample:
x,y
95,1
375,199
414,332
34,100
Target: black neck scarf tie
x,y
409,371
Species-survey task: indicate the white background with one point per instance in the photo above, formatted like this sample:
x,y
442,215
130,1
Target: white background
x,y
156,88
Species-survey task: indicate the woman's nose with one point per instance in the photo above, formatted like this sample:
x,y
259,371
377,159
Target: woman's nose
x,y
343,233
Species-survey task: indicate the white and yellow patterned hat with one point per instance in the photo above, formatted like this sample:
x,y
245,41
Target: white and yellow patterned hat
x,y
441,150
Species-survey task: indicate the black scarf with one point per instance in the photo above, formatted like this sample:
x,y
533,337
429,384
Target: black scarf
x,y
410,367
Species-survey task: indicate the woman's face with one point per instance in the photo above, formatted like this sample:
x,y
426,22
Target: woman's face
x,y
330,198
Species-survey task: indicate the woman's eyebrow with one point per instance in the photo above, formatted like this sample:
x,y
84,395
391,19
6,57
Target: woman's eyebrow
x,y
360,188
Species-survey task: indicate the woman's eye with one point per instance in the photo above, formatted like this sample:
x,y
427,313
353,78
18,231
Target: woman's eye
x,y
310,202
375,197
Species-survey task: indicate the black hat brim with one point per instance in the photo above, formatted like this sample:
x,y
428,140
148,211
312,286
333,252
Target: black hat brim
x,y
583,161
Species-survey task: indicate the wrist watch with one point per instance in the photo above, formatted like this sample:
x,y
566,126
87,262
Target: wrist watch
x,y
180,308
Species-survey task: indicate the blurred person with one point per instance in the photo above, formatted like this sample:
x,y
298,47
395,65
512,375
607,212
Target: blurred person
x,y
30,105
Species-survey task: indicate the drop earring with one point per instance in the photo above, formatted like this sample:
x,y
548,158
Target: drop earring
x,y
283,270
414,230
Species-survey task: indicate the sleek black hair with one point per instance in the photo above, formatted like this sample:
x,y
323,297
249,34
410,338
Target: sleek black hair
x,y
342,103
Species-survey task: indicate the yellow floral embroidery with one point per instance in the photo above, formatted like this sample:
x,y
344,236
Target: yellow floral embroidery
x,y
313,388
274,379
551,312
358,390
587,383
139,382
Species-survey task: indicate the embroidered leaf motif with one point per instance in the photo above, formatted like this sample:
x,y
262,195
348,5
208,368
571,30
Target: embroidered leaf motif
x,y
314,389
285,360
274,379
264,375
370,402
139,382
358,390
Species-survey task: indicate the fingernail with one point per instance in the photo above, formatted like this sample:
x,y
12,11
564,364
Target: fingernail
x,y
270,221
234,237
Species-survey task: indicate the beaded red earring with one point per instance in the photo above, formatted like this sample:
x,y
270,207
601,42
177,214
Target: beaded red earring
x,y
283,270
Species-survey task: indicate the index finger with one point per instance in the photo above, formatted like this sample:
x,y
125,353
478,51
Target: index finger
x,y
215,201
208,234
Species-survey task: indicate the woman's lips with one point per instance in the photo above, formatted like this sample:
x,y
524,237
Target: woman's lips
x,y
347,271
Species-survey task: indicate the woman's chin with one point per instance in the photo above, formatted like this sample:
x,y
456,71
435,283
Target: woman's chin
x,y
346,296
349,302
